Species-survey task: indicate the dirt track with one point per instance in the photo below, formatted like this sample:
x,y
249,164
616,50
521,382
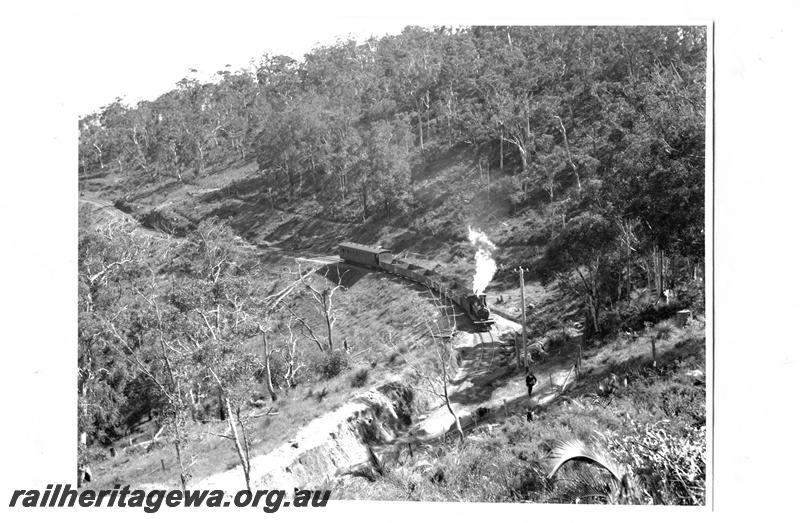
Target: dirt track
x,y
489,382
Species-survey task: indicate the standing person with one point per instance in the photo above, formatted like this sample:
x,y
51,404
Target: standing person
x,y
530,380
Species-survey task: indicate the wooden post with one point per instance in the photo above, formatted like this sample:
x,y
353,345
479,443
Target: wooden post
x,y
524,322
163,467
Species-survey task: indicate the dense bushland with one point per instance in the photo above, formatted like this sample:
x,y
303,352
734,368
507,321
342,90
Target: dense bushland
x,y
601,128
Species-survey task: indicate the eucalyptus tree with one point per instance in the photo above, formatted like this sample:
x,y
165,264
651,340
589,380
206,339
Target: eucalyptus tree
x,y
579,257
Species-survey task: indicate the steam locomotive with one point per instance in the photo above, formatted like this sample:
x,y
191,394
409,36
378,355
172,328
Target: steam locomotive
x,y
382,259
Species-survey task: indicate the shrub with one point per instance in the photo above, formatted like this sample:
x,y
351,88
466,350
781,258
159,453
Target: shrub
x,y
359,378
692,294
685,403
671,466
609,322
321,394
634,318
540,237
332,364
658,313
558,339
663,331
508,189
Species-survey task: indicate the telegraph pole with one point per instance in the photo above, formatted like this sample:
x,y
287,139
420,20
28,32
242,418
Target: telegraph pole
x,y
524,322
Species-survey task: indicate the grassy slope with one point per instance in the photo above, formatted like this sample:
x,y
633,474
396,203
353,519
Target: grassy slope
x,y
506,459
448,192
374,327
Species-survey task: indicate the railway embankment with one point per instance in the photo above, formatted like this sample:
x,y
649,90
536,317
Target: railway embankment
x,y
339,442
352,438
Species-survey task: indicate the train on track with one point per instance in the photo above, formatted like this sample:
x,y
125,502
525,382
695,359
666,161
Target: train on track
x,y
375,258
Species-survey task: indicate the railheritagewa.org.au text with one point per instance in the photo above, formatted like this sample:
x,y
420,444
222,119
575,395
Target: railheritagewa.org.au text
x,y
150,501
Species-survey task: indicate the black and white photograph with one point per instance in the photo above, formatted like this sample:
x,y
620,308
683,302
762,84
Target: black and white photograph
x,y
446,264
379,260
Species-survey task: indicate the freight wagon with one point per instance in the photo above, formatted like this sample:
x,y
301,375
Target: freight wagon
x,y
375,258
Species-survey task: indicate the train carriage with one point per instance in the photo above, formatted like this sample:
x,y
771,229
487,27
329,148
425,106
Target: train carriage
x,y
364,254
474,306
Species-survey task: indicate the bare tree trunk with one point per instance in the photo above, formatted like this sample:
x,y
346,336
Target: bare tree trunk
x,y
523,154
655,270
501,150
450,116
193,403
419,125
244,458
221,405
324,305
364,203
594,313
289,178
428,113
244,455
100,152
173,162
289,355
519,143
328,323
569,154
450,409
177,433
202,161
245,442
267,354
82,436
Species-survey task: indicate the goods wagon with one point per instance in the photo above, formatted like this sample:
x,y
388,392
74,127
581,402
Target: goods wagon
x,y
474,306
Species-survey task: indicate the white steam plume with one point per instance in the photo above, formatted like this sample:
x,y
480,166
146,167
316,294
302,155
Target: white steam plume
x,y
485,266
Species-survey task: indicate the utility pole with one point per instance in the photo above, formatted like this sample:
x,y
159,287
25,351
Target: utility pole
x,y
524,322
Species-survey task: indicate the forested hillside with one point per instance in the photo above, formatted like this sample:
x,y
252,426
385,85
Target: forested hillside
x,y
605,123
579,150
